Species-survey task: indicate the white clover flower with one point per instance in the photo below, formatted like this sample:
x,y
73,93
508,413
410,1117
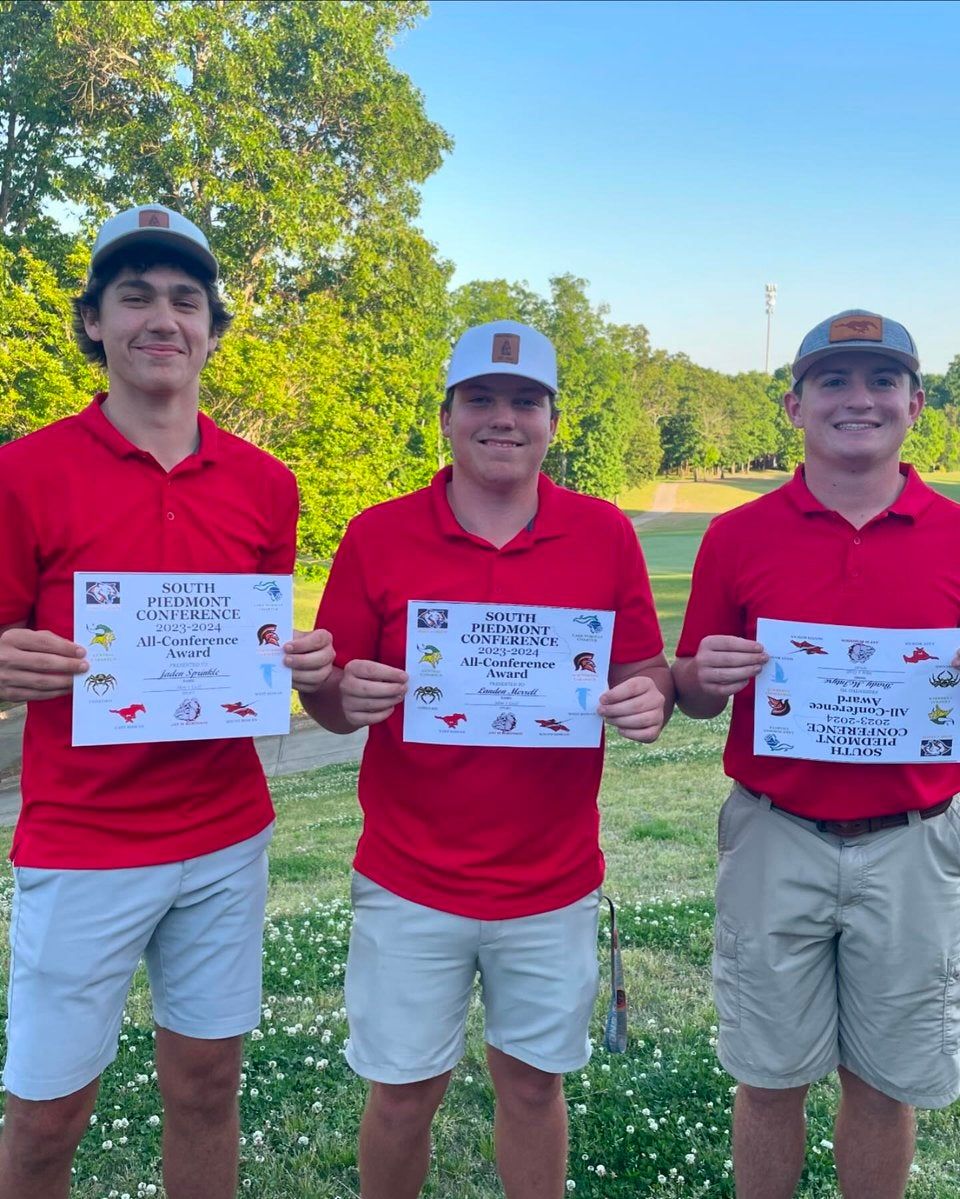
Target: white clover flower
x,y
571,1185
601,1171
303,1140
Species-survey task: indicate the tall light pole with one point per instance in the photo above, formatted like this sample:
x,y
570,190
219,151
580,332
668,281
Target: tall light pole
x,y
771,302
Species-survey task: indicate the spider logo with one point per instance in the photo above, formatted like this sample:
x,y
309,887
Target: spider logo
x,y
100,684
428,695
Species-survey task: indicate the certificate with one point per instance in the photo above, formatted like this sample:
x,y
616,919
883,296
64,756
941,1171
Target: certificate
x,y
838,693
180,657
488,674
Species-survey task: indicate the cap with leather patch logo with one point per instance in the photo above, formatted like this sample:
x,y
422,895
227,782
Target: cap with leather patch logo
x,y
153,224
856,329
503,348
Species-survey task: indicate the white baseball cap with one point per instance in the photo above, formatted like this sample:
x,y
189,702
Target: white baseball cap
x,y
504,348
153,224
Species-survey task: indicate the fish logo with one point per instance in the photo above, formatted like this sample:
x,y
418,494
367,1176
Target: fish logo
x,y
239,709
592,622
585,662
920,655
778,707
778,746
103,635
267,635
553,725
431,655
270,587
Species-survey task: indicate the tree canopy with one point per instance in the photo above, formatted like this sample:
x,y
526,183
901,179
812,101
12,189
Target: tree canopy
x,y
284,130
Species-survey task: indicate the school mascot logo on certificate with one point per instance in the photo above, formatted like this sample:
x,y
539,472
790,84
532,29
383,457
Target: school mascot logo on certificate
x,y
920,655
428,695
807,647
100,684
239,709
129,714
585,662
452,720
103,635
267,635
945,678
270,587
592,622
553,725
431,655
778,707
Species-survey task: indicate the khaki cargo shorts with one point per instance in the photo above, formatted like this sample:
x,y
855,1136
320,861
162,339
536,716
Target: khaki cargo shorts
x,y
838,951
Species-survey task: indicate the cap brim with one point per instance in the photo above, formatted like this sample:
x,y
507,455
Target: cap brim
x,y
502,368
802,365
184,246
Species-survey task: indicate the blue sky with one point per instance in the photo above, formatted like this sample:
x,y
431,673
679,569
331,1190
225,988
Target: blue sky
x,y
681,155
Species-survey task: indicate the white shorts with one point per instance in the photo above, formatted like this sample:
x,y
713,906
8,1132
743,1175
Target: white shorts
x,y
77,936
410,975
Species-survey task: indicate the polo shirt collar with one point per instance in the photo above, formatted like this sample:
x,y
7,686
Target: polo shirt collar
x,y
546,523
911,501
94,421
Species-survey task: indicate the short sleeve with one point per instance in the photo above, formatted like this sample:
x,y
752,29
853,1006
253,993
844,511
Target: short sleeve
x,y
280,556
19,551
711,608
636,631
345,610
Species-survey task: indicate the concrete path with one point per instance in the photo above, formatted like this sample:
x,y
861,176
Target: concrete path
x,y
306,747
664,500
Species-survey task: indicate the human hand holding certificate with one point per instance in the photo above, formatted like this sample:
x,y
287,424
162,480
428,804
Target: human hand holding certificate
x,y
493,674
181,657
839,693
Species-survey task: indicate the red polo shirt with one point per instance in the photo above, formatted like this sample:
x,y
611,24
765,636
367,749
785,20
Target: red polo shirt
x,y
487,832
78,496
787,557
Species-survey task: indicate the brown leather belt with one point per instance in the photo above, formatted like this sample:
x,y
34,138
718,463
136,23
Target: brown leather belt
x,y
867,824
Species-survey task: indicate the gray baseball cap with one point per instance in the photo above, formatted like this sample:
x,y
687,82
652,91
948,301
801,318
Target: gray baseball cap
x,y
157,225
856,329
504,348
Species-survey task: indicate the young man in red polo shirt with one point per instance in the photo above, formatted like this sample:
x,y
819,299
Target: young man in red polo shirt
x,y
123,852
479,858
838,909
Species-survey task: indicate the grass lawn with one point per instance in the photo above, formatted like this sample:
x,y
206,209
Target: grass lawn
x,y
651,1122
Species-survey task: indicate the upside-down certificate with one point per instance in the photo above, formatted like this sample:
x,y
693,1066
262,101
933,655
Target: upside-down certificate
x,y
839,693
181,657
492,674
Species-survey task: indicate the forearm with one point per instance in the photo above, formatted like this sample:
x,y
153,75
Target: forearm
x,y
326,704
692,698
662,679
